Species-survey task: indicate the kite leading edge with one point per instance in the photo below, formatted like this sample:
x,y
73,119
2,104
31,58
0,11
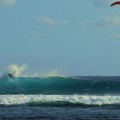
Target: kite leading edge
x,y
115,3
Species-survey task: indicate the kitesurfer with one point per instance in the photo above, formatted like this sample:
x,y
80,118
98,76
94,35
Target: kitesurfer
x,y
10,75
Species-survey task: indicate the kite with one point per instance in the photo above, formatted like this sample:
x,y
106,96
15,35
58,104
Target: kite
x,y
115,3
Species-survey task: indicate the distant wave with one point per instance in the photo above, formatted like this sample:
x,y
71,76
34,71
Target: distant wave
x,y
62,85
61,100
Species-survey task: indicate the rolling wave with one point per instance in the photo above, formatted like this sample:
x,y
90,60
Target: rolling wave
x,y
62,85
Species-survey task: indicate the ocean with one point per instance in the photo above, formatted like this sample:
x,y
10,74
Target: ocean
x,y
60,98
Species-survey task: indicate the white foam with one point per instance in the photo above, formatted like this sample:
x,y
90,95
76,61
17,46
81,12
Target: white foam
x,y
16,70
84,99
23,71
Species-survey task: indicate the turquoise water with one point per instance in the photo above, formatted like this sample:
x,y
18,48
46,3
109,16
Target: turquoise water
x,y
90,85
83,91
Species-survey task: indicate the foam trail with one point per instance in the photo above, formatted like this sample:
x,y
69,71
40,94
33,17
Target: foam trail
x,y
73,99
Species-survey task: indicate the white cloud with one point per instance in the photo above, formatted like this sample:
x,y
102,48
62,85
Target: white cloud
x,y
108,22
8,2
35,33
116,36
83,23
51,21
112,20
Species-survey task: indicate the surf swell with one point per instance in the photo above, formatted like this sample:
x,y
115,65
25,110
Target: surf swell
x,y
61,85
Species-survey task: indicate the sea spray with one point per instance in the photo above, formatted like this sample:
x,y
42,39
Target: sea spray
x,y
24,71
16,70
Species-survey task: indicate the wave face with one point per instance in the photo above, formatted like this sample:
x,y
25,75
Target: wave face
x,y
90,85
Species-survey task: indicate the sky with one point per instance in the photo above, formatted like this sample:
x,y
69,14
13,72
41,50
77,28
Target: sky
x,y
72,37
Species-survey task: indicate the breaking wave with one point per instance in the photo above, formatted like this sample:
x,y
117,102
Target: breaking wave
x,y
60,100
62,85
54,89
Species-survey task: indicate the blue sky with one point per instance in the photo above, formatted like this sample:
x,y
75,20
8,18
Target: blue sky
x,y
76,37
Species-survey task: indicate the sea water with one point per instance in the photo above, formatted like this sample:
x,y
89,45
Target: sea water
x,y
60,98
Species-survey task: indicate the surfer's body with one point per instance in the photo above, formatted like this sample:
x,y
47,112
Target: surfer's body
x,y
11,76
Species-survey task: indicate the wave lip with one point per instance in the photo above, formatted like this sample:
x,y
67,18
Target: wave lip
x,y
60,100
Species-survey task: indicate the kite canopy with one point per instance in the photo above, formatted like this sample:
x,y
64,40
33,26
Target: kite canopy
x,y
115,3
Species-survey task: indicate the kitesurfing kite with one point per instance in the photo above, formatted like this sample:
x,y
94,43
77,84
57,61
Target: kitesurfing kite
x,y
115,3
